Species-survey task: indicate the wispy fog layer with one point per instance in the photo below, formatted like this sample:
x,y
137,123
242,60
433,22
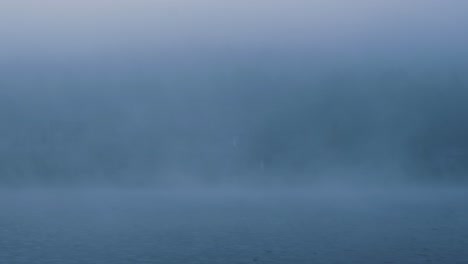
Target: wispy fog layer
x,y
237,92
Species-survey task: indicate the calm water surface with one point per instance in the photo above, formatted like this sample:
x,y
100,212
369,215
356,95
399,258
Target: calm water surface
x,y
113,227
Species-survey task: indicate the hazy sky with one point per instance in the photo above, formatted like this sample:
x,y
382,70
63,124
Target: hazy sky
x,y
89,27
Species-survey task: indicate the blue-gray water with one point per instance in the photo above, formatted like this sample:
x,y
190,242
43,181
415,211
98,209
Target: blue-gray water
x,y
299,226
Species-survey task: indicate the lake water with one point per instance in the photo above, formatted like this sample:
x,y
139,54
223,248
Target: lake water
x,y
306,226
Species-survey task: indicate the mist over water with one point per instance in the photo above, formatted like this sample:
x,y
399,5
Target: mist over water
x,y
169,93
262,118
233,132
207,93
